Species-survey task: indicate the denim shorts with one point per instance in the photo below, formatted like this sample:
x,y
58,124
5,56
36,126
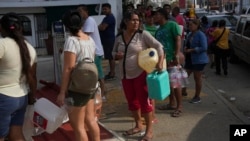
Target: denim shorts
x,y
98,62
12,111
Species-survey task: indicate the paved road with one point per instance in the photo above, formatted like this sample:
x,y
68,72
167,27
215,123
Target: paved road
x,y
236,85
207,121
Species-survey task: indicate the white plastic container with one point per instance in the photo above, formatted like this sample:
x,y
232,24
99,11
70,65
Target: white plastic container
x,y
147,59
48,116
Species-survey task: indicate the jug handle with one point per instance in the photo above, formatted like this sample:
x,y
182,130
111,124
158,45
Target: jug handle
x,y
156,72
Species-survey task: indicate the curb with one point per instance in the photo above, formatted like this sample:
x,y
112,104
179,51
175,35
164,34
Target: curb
x,y
116,136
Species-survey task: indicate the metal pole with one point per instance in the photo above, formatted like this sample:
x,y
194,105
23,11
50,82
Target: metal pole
x,y
240,7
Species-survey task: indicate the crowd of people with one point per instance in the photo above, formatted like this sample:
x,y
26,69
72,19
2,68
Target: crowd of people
x,y
163,28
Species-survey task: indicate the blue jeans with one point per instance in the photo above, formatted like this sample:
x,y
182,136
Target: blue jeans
x,y
12,110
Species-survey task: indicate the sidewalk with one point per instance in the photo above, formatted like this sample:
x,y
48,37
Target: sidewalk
x,y
206,121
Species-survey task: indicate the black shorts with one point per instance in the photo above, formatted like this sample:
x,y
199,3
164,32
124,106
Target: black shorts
x,y
108,48
78,100
194,67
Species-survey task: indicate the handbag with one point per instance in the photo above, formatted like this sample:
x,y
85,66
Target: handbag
x,y
213,45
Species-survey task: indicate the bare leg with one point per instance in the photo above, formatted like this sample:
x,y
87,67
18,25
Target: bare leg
x,y
90,121
178,96
76,119
198,82
149,126
1,139
137,118
16,133
112,67
172,102
153,112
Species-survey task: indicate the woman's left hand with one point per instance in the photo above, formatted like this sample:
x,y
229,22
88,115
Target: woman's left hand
x,y
159,67
188,50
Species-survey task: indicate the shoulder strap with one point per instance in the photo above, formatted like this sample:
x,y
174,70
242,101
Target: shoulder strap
x,y
220,35
126,49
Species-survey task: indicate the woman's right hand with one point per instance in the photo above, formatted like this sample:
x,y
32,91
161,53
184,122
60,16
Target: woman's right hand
x,y
60,99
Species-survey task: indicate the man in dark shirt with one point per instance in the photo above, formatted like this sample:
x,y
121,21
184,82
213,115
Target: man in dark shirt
x,y
107,34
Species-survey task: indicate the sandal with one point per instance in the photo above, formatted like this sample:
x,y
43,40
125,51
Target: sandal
x,y
155,120
132,131
109,77
184,93
146,138
176,113
166,107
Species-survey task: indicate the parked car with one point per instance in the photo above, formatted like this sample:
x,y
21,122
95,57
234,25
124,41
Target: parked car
x,y
239,40
231,20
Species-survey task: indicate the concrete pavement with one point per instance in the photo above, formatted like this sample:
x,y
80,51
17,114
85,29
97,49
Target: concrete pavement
x,y
206,121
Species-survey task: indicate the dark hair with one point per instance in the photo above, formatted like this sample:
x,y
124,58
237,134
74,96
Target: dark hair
x,y
138,5
83,7
167,5
73,21
106,5
150,6
214,23
163,12
222,23
12,27
176,9
130,5
196,22
204,20
127,16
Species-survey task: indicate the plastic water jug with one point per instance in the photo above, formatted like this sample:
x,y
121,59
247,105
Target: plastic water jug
x,y
148,59
158,85
48,116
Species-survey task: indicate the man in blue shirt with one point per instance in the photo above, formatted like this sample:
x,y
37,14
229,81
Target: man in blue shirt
x,y
107,34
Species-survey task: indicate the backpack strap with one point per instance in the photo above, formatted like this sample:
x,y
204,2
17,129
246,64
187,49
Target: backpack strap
x,y
85,57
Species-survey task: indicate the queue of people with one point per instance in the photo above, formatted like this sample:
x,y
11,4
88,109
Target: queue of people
x,y
159,29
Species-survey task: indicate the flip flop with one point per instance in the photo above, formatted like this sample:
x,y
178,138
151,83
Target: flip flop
x,y
176,113
132,131
165,107
145,138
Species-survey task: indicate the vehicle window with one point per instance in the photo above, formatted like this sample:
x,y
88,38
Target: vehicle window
x,y
233,20
26,26
230,20
200,14
247,29
248,11
240,25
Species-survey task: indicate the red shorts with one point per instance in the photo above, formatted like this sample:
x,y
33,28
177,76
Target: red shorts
x,y
136,94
